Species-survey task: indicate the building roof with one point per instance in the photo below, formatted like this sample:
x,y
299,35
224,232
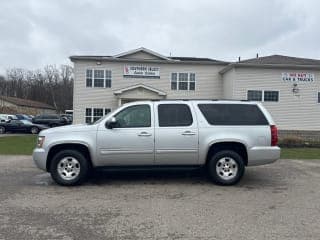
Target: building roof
x,y
161,58
276,61
26,102
196,59
280,59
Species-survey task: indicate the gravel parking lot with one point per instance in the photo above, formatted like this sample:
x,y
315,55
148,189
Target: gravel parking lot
x,y
279,201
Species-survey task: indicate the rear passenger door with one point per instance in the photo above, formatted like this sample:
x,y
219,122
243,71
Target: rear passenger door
x,y
176,134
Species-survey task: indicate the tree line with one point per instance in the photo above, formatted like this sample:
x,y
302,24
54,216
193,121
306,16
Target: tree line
x,y
52,85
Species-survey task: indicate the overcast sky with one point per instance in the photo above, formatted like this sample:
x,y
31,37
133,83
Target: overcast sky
x,y
38,32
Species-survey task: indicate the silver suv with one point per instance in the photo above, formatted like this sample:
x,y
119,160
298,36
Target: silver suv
x,y
222,136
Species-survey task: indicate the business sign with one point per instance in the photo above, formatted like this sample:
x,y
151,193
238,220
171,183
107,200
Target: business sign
x,y
141,71
298,77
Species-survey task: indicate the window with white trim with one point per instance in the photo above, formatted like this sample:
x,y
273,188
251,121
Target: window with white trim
x,y
98,78
89,78
271,96
263,95
94,114
254,95
183,81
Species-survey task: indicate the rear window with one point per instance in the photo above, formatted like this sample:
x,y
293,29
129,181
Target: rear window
x,y
233,114
174,115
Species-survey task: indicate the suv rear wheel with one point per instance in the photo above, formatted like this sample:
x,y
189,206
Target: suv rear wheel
x,y
69,168
2,130
226,167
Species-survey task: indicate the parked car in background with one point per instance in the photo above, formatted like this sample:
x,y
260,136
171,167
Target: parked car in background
x,y
51,120
23,117
68,117
8,117
223,137
25,126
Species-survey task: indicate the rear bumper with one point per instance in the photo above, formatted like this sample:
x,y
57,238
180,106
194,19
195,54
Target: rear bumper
x,y
40,158
263,155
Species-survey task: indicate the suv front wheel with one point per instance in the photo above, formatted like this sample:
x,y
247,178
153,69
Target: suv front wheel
x,y
69,168
226,167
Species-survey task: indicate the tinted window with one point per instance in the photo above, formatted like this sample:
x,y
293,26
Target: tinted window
x,y
173,115
233,114
134,117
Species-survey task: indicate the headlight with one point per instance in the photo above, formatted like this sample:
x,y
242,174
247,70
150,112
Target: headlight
x,y
40,141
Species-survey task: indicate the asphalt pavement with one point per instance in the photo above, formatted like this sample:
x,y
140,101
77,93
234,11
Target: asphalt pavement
x,y
277,201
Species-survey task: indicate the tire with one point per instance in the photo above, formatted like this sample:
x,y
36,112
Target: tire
x,y
2,130
226,167
69,168
34,130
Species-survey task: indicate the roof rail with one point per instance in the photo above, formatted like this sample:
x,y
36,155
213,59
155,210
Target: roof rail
x,y
202,99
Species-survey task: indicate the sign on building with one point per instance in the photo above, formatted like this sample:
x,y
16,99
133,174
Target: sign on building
x,y
298,77
141,71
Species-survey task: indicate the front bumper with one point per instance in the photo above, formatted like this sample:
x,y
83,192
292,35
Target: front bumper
x,y
263,155
40,158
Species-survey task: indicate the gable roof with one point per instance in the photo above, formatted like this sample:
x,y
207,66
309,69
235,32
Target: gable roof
x,y
281,59
158,58
276,61
142,49
26,102
159,92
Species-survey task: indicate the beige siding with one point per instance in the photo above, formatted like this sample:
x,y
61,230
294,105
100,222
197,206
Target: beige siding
x,y
208,84
291,112
228,79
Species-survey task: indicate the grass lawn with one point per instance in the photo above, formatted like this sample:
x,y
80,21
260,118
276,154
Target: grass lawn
x,y
23,145
17,145
300,153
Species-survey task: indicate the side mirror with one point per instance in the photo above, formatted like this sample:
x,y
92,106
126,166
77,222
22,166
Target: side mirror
x,y
111,123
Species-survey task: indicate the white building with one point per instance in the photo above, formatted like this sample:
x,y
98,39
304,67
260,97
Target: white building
x,y
288,87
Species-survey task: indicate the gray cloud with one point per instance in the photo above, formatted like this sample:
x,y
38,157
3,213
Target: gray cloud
x,y
39,32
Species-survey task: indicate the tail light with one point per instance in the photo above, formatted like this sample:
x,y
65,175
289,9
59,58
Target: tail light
x,y
274,135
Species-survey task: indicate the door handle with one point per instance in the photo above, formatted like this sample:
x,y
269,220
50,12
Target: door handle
x,y
144,134
188,133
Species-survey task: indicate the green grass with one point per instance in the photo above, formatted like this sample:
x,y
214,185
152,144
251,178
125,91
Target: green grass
x,y
300,153
17,145
23,145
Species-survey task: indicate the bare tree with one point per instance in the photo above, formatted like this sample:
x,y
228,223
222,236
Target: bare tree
x,y
51,85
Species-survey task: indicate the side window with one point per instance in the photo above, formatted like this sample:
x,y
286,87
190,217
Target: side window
x,y
233,114
174,115
318,97
134,117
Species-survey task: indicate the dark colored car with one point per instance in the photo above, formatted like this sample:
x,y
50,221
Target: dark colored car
x,y
51,120
23,117
21,126
68,116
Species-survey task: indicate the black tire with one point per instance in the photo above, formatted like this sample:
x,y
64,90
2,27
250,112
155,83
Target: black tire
x,y
233,161
2,130
34,130
69,154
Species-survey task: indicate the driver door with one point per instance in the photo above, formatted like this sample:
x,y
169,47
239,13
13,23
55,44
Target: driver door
x,y
131,140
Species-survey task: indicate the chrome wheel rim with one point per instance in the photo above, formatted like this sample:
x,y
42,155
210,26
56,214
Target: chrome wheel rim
x,y
68,168
227,168
2,130
34,130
